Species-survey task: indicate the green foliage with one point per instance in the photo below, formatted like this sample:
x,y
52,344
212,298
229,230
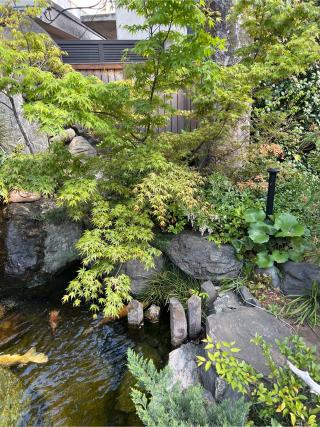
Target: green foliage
x,y
279,32
291,115
306,308
277,239
239,374
170,283
141,179
222,210
120,234
11,405
24,53
43,172
284,398
163,404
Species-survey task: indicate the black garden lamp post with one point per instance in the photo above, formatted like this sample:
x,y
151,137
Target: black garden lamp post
x,y
271,190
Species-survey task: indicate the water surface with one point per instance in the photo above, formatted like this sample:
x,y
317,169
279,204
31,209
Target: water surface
x,y
85,382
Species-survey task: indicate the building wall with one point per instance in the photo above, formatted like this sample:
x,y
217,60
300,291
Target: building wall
x,y
125,17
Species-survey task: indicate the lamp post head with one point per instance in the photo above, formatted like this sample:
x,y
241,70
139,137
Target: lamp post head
x,y
273,170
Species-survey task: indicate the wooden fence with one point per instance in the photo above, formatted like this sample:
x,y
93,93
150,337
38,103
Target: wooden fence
x,y
178,101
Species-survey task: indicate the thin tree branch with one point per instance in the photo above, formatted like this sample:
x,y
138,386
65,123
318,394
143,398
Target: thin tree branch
x,y
16,115
305,377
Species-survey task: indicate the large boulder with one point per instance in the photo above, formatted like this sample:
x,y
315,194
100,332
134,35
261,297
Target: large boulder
x,y
203,259
37,240
139,275
10,133
298,277
241,325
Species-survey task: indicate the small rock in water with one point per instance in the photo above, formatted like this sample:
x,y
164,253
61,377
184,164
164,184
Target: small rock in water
x,y
178,323
194,316
135,313
153,313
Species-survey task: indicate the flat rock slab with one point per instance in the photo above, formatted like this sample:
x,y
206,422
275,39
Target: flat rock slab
x,y
241,325
203,259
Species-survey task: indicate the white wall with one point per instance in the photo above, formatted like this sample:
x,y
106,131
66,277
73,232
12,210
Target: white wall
x,y
125,17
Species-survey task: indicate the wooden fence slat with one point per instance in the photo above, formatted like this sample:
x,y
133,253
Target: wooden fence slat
x,y
179,101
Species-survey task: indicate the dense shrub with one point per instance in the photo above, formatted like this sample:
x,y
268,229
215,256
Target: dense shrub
x,y
163,404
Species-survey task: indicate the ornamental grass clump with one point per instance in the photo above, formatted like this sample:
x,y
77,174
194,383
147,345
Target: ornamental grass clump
x,y
306,308
170,283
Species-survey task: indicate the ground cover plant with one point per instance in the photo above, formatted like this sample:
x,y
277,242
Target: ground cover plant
x,y
167,181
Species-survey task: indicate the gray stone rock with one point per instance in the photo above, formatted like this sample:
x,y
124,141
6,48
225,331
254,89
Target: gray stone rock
x,y
66,136
153,313
139,275
241,325
226,302
209,288
248,298
10,134
271,272
203,259
178,322
298,277
80,146
183,365
194,316
37,240
224,391
135,313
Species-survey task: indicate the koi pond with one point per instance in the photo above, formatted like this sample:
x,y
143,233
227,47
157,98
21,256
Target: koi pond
x,y
86,381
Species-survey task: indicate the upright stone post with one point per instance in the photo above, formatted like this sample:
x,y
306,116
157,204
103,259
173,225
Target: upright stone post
x,y
135,313
194,316
178,322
